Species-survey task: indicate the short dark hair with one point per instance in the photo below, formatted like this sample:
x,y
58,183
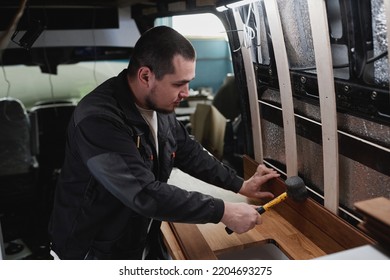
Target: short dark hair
x,y
156,49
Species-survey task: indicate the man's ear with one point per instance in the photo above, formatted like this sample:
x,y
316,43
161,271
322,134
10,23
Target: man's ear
x,y
144,75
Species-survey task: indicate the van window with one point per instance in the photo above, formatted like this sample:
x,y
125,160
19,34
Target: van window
x,y
71,82
207,26
209,39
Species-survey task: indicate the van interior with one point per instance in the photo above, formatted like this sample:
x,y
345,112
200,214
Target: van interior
x,y
52,53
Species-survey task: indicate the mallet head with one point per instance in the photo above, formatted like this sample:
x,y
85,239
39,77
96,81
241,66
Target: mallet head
x,y
296,188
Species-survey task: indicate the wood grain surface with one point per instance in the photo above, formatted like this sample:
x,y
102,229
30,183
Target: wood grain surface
x,y
301,230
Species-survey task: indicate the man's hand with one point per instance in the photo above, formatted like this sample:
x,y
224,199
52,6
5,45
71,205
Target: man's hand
x,y
240,217
252,186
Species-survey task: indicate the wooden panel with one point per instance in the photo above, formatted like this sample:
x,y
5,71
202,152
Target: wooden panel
x,y
221,242
376,222
301,230
315,220
377,208
324,66
274,229
192,242
170,241
310,230
250,166
251,83
339,230
289,239
286,96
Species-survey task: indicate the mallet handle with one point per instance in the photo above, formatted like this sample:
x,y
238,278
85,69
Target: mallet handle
x,y
272,203
265,207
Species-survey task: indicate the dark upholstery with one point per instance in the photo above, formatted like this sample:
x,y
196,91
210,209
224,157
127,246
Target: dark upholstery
x,y
18,169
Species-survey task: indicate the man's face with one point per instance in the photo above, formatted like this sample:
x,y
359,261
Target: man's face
x,y
166,94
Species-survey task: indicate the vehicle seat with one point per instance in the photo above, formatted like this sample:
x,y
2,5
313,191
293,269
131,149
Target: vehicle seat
x,y
18,171
227,99
208,127
227,102
49,125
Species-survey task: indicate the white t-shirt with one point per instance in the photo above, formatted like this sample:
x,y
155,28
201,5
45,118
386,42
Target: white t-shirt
x,y
150,117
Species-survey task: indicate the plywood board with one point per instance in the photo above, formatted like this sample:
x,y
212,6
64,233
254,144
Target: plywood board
x,y
376,208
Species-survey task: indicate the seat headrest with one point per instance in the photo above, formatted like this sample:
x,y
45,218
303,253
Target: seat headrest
x,y
12,109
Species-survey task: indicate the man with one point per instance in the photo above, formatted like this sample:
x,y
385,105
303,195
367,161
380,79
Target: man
x,y
123,141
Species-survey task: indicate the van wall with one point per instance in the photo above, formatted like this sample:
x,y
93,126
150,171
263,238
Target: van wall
x,y
358,47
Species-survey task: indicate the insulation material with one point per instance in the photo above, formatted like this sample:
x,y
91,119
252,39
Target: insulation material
x,y
254,33
261,35
298,40
296,28
379,29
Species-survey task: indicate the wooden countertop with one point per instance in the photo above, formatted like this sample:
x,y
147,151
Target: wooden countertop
x,y
207,241
301,230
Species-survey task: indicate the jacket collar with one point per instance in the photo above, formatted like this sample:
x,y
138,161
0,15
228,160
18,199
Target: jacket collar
x,y
125,97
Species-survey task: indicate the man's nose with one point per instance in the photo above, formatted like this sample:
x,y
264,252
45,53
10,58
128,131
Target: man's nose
x,y
185,92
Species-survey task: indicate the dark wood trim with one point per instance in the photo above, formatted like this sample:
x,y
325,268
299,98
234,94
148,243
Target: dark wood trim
x,y
319,224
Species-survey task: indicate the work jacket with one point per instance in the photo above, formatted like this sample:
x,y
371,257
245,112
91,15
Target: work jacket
x,y
112,193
